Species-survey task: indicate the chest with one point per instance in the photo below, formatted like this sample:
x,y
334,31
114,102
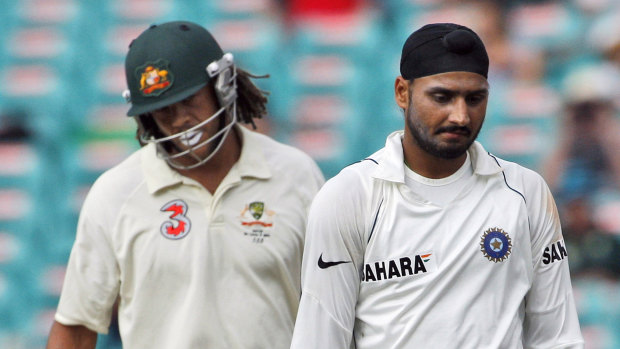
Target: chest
x,y
184,236
484,228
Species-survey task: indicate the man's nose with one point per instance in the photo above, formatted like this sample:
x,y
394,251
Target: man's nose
x,y
180,114
459,114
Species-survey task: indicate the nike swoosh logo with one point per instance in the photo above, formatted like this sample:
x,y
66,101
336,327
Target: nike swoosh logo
x,y
325,265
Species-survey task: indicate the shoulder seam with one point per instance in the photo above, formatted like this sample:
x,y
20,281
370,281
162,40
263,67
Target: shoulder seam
x,y
359,161
506,181
375,221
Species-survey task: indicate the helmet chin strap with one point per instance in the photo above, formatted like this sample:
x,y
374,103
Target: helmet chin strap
x,y
222,133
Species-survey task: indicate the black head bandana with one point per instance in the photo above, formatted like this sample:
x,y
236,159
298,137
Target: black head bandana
x,y
441,48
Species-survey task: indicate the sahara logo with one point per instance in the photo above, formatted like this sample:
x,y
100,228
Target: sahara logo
x,y
179,225
554,252
259,221
399,267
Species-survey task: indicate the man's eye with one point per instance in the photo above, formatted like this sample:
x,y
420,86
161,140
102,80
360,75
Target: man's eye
x,y
475,99
441,98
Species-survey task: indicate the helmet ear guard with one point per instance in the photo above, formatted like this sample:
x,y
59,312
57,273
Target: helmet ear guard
x,y
225,83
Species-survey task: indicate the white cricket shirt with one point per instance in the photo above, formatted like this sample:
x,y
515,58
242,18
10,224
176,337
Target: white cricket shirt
x,y
384,268
194,270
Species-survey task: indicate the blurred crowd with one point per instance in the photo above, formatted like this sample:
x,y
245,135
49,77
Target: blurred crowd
x,y
554,107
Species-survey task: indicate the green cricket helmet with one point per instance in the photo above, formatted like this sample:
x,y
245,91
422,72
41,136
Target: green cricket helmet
x,y
168,63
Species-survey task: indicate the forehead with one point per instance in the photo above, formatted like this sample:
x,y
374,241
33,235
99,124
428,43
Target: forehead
x,y
454,81
205,97
205,94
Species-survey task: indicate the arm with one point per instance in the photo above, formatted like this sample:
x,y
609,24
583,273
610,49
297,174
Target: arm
x,y
71,337
550,313
92,278
333,256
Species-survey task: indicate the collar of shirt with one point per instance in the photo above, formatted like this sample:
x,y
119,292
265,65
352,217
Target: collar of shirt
x,y
251,163
392,165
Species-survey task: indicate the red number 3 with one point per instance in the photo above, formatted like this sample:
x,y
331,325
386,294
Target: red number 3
x,y
179,225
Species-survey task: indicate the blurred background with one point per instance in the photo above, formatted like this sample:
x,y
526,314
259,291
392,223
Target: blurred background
x,y
555,92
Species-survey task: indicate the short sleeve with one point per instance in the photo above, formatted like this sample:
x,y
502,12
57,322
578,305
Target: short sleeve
x,y
91,282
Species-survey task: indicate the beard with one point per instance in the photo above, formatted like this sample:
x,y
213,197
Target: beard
x,y
443,150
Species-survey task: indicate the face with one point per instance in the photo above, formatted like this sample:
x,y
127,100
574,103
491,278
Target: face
x,y
443,112
188,113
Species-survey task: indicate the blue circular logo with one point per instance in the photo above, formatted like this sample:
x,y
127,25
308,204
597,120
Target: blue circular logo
x,y
496,245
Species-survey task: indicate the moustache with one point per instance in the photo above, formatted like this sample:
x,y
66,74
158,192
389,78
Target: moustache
x,y
455,129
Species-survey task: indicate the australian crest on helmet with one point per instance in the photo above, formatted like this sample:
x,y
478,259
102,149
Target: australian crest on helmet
x,y
154,77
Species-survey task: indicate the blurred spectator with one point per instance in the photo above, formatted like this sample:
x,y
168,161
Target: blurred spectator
x,y
594,253
604,35
13,126
586,160
586,165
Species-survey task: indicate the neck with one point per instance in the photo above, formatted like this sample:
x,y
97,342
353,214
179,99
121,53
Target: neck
x,y
212,173
427,165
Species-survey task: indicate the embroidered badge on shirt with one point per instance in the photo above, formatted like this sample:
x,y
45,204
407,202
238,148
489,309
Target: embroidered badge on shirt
x,y
155,78
496,245
178,225
258,220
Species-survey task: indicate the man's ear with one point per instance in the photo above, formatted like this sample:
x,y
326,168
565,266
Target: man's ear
x,y
401,92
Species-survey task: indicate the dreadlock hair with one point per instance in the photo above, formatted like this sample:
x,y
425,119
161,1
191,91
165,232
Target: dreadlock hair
x,y
251,101
146,128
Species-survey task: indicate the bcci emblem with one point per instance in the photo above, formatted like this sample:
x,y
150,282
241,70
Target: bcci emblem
x,y
496,245
258,220
155,78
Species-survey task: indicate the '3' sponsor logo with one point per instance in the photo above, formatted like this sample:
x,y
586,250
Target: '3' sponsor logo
x,y
179,224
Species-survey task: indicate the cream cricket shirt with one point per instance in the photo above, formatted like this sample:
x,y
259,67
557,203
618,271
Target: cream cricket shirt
x,y
194,270
384,268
